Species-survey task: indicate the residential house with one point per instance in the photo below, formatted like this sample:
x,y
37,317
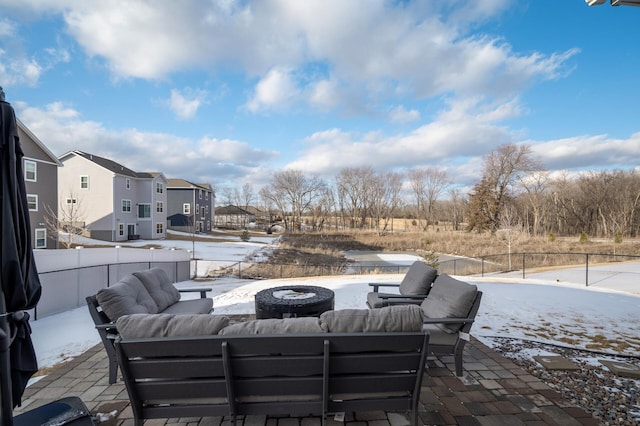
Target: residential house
x,y
41,181
190,206
118,204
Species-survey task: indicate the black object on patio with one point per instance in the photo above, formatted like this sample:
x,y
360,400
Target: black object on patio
x,y
20,284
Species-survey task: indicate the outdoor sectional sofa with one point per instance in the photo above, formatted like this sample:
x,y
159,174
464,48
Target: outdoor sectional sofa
x,y
344,361
144,292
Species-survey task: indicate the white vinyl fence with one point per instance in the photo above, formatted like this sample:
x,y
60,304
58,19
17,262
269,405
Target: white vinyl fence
x,y
68,276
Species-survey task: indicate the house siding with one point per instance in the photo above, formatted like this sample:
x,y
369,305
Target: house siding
x,y
45,186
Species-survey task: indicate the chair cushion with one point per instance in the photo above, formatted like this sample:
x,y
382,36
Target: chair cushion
x,y
159,286
400,318
418,280
128,296
167,325
449,298
275,326
190,306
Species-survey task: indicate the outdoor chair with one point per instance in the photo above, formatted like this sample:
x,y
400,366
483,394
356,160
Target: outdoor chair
x,y
450,310
413,288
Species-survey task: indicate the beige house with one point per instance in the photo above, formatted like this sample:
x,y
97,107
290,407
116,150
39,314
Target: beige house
x,y
118,204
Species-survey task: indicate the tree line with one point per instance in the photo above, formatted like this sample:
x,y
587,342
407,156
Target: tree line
x,y
514,192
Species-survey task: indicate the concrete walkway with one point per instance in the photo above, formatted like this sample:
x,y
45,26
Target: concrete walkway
x,y
494,391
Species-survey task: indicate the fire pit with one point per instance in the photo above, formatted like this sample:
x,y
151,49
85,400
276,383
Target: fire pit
x,y
293,301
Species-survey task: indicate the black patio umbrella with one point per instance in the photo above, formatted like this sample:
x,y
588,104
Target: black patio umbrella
x,y
20,285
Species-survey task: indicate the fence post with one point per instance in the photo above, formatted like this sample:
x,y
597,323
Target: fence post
x,y
482,263
240,270
523,264
586,282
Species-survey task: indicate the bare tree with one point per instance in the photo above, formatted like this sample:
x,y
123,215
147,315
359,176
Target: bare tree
x,y
292,191
353,186
503,168
385,198
427,184
67,222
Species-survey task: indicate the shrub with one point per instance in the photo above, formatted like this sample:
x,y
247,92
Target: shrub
x,y
245,235
552,236
584,239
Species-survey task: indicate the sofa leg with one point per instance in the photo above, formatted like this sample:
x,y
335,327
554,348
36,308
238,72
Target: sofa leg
x,y
458,359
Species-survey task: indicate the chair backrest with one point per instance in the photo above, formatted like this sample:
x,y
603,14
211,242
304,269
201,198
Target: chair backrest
x,y
418,279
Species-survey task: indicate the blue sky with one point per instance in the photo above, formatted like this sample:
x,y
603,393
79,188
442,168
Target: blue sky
x,y
227,92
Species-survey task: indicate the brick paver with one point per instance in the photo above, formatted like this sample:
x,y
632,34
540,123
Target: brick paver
x,y
494,391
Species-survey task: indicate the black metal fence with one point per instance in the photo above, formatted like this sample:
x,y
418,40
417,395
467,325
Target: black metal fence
x,y
479,266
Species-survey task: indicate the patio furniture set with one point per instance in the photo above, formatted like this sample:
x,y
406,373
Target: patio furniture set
x,y
300,356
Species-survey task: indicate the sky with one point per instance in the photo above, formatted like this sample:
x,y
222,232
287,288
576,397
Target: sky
x,y
229,92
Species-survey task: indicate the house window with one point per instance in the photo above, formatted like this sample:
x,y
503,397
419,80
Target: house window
x,y
121,229
84,182
159,188
208,225
32,202
126,206
30,170
202,213
200,194
159,228
206,195
186,208
41,238
144,211
159,206
127,183
71,201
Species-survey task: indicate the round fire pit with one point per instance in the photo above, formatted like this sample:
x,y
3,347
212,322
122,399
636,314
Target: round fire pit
x,y
293,301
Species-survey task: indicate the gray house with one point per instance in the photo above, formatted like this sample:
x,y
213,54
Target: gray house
x,y
41,181
190,206
119,204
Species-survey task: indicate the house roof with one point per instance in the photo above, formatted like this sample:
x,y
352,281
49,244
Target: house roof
x,y
235,210
177,183
111,165
38,142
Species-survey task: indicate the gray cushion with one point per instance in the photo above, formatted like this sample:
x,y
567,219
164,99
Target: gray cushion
x,y
418,280
128,296
159,286
400,318
190,306
166,325
275,326
449,298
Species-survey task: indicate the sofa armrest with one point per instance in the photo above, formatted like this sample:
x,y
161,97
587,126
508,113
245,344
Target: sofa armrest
x,y
446,320
384,296
377,285
110,328
202,290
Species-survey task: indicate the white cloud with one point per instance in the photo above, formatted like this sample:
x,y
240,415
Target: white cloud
x,y
400,115
372,50
276,90
185,103
62,129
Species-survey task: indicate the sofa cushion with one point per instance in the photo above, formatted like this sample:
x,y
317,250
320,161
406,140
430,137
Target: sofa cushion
x,y
159,286
275,326
418,280
167,325
449,298
128,296
400,318
190,306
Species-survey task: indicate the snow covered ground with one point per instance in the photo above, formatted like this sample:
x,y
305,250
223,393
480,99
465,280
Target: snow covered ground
x,y
539,308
